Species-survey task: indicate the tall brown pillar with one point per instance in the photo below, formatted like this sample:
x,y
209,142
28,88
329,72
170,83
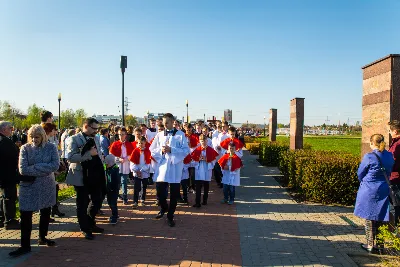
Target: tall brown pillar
x,y
273,123
296,123
381,98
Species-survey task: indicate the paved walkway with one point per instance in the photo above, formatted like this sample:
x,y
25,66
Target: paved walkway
x,y
265,228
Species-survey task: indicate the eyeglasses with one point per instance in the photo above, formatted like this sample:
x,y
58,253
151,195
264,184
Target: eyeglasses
x,y
94,128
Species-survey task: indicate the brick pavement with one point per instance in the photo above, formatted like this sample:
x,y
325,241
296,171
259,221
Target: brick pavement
x,y
265,228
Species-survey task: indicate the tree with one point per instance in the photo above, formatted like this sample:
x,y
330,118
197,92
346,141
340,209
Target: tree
x,y
68,118
130,120
33,116
80,116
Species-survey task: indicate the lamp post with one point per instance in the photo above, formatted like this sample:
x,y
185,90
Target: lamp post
x,y
187,111
123,66
148,112
204,115
59,111
264,126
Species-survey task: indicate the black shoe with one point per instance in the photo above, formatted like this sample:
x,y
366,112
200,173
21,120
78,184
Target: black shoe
x,y
204,203
88,236
47,242
171,223
97,230
1,224
196,206
12,225
158,203
51,220
55,211
19,252
180,201
221,186
160,215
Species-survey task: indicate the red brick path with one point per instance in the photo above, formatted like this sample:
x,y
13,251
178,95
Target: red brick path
x,y
208,236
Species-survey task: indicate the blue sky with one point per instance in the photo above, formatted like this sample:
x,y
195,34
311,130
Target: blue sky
x,y
248,56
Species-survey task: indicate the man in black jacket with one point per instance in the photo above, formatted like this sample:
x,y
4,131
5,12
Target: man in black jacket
x,y
8,177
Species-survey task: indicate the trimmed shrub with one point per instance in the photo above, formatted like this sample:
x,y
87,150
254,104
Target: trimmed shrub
x,y
253,147
269,152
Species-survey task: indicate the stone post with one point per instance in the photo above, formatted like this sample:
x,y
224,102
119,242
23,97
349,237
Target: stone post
x,y
380,99
296,123
273,124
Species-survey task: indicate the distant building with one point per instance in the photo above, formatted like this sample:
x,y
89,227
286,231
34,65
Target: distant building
x,y
228,115
103,119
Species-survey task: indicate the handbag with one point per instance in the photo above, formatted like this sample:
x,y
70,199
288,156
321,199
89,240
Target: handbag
x,y
394,190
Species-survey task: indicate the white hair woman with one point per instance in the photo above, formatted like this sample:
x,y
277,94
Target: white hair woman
x,y
38,158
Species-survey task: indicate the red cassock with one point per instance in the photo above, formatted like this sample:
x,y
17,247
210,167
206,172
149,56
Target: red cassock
x,y
193,140
116,148
236,162
187,159
211,154
135,156
225,144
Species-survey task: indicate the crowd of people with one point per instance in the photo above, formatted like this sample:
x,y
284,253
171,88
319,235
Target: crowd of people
x,y
100,162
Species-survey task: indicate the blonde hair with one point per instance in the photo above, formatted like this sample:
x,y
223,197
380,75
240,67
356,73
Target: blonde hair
x,y
379,141
37,129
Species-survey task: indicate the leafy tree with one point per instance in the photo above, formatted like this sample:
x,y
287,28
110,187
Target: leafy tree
x,y
68,118
33,116
80,116
130,120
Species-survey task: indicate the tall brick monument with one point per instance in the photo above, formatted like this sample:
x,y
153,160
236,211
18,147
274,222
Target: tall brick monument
x,y
273,123
381,98
296,123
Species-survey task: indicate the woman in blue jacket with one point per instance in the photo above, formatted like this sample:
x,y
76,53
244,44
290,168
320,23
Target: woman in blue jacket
x,y
372,201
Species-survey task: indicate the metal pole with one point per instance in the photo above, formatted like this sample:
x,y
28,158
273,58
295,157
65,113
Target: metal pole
x,y
123,104
187,112
59,114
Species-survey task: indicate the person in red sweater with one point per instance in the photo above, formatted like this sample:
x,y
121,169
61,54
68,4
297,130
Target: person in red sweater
x,y
238,144
205,157
394,131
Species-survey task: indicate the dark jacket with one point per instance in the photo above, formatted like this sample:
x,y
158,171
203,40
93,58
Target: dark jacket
x,y
8,161
395,150
113,178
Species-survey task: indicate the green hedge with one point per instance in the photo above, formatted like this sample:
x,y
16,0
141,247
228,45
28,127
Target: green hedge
x,y
320,176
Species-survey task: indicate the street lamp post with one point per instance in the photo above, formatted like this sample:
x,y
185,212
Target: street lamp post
x,y
59,111
187,111
204,118
148,112
123,65
264,126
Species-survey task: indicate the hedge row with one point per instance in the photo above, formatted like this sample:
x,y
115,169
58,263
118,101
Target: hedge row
x,y
320,176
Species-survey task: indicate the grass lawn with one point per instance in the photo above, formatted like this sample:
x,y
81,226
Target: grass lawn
x,y
336,143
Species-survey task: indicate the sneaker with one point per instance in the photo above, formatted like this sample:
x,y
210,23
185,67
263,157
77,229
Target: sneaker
x,y
96,229
171,223
230,202
141,201
88,236
113,221
12,225
47,242
159,215
224,201
19,252
135,205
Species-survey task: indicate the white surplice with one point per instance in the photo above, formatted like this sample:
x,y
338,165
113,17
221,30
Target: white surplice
x,y
231,177
204,169
169,165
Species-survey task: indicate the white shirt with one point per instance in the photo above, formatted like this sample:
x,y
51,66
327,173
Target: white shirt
x,y
124,166
229,177
142,167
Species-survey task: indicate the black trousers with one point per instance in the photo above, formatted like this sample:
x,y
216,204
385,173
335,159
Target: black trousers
x,y
8,198
192,181
162,196
26,226
88,203
138,187
217,173
199,185
184,184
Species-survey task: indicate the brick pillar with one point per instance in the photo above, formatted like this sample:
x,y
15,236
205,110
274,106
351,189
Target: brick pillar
x,y
273,123
296,123
381,98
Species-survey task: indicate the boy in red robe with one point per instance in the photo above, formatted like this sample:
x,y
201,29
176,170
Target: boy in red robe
x,y
238,144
